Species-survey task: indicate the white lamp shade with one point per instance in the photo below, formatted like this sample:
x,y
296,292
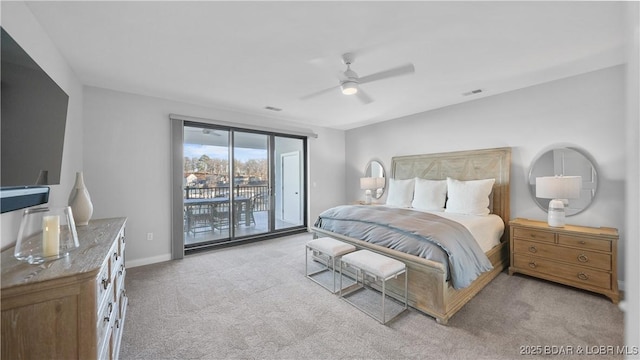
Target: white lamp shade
x,y
558,187
367,183
379,182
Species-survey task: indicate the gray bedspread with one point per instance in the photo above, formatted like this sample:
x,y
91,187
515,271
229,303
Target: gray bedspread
x,y
413,232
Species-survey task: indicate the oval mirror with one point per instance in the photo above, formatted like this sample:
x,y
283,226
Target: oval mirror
x,y
566,161
376,170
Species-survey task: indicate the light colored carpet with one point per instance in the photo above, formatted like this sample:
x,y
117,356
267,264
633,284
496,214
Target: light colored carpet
x,y
254,302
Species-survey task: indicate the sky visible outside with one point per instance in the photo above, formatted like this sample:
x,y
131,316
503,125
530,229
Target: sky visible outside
x,y
222,152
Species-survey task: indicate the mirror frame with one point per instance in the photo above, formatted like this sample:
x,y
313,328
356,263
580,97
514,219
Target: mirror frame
x,y
589,184
369,172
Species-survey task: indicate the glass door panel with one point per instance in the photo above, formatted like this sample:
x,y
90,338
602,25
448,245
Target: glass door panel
x,y
251,195
206,186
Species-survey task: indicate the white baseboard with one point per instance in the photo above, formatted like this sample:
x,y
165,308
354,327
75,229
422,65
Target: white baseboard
x,y
147,261
622,305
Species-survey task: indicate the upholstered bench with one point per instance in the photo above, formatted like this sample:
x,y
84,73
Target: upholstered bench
x,y
376,266
329,250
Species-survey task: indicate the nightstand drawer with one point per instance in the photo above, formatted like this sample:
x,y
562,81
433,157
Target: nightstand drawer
x,y
575,274
531,234
573,256
585,243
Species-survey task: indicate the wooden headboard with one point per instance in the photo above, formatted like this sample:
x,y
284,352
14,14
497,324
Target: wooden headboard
x,y
462,165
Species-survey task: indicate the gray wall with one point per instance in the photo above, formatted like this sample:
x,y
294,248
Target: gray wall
x,y
19,22
587,111
127,164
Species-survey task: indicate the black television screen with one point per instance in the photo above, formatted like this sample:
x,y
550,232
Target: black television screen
x,y
34,115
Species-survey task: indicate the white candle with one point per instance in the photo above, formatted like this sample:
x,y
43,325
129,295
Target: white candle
x,y
50,235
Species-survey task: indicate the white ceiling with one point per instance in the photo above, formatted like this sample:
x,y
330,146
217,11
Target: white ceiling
x,y
248,55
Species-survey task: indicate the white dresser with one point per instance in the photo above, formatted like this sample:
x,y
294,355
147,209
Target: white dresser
x,y
71,308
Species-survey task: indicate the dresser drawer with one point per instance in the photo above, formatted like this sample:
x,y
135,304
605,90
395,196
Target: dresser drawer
x,y
106,317
573,256
573,274
105,353
584,243
532,234
103,285
122,303
121,242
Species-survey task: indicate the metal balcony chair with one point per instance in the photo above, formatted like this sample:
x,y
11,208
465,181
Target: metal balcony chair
x,y
199,218
221,216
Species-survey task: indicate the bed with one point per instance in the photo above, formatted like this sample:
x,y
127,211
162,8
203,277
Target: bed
x,y
431,290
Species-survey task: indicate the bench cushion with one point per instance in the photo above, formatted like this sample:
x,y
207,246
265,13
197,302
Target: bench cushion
x,y
331,247
373,263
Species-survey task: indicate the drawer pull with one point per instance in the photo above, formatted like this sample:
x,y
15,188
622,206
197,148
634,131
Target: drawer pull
x,y
106,318
105,283
582,242
115,255
583,258
583,276
533,235
533,265
533,249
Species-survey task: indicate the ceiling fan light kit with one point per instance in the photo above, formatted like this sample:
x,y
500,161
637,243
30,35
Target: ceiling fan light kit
x,y
350,81
349,87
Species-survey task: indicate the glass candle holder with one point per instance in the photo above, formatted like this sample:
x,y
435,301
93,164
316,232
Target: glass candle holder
x,y
46,234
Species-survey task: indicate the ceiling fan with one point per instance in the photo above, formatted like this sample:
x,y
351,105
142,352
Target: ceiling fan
x,y
210,132
350,82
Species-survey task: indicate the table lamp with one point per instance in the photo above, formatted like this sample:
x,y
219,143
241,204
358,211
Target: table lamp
x,y
367,184
559,189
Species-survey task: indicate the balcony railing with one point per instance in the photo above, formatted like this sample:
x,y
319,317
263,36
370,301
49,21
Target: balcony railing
x,y
249,191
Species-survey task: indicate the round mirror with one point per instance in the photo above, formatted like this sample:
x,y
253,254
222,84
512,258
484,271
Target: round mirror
x,y
566,161
376,170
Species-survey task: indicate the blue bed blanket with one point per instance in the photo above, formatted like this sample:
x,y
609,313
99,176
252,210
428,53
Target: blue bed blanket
x,y
413,232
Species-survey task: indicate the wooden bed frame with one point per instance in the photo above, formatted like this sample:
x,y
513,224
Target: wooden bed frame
x,y
429,290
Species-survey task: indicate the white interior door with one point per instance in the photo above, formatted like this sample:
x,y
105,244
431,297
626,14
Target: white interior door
x,y
291,191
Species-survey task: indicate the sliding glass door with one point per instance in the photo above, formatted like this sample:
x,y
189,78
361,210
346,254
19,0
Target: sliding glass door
x,y
252,188
206,184
240,184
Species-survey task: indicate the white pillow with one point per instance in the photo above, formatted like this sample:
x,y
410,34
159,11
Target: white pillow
x,y
429,194
400,192
469,197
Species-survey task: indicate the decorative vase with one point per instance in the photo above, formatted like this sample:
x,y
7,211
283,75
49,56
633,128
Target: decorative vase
x,y
80,202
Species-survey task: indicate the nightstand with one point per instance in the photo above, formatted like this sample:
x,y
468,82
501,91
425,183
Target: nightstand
x,y
579,256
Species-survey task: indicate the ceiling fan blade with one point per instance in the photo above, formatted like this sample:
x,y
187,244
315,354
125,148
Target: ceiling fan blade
x,y
396,71
318,93
363,97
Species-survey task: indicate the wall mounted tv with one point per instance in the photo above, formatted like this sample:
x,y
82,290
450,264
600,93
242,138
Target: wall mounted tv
x,y
34,116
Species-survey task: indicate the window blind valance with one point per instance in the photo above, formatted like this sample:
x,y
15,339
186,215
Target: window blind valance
x,y
284,130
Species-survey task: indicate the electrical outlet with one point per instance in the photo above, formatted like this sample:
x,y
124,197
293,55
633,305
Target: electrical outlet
x,y
149,236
